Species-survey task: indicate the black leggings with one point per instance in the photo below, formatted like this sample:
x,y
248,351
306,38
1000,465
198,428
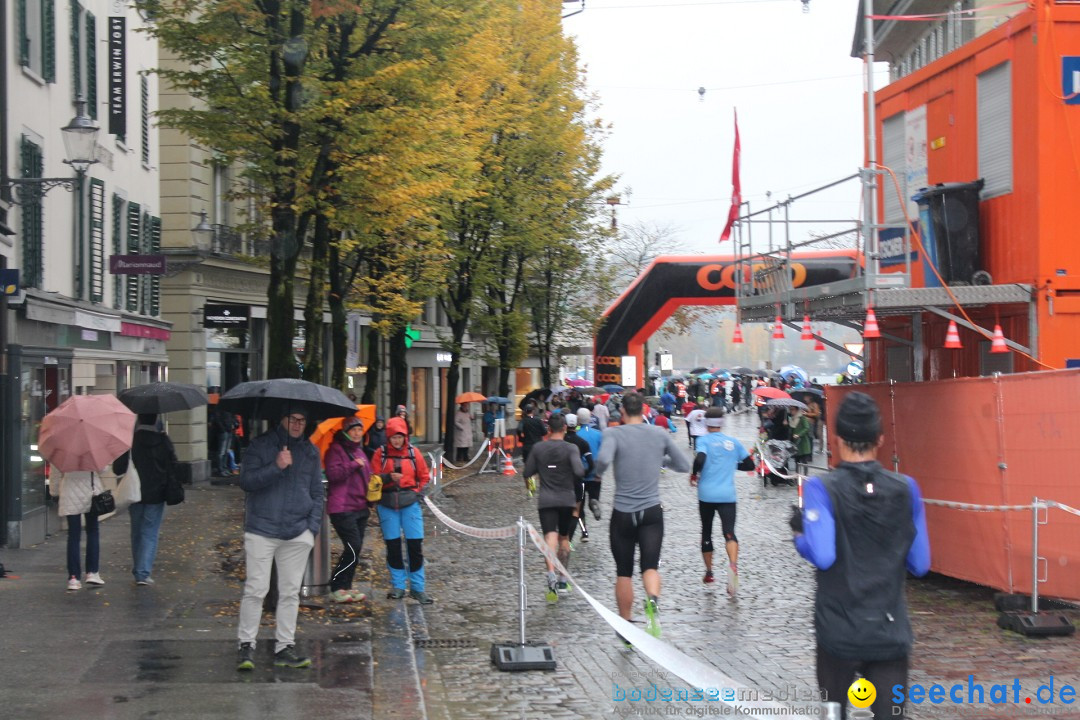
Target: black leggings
x,y
726,511
835,675
628,530
350,528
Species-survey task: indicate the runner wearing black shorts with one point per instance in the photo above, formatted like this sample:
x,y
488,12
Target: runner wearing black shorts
x,y
558,465
718,456
637,451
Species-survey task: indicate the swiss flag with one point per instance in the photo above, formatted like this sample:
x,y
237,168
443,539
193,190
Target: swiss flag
x,y
736,186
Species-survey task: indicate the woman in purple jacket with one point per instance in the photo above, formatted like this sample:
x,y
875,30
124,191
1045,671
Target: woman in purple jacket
x,y
347,472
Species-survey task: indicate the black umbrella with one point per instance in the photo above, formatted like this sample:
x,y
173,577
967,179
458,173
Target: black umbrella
x,y
807,391
271,399
785,402
740,370
699,370
162,397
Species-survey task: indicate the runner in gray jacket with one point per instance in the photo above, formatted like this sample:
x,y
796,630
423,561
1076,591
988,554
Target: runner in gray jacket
x,y
638,451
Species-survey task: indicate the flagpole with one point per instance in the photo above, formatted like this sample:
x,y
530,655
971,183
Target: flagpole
x,y
870,236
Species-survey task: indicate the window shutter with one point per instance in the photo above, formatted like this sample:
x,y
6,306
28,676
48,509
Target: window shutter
x,y
91,66
33,217
118,247
144,96
97,240
131,295
76,50
994,91
24,34
155,280
144,280
893,156
48,41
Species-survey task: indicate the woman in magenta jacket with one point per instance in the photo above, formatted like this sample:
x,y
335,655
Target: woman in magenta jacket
x,y
347,472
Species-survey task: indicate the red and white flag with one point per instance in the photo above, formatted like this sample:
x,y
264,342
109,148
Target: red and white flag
x,y
736,186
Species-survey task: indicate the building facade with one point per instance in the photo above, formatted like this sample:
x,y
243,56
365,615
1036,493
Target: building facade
x,y
70,325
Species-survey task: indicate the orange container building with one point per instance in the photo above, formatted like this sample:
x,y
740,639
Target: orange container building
x,y
991,94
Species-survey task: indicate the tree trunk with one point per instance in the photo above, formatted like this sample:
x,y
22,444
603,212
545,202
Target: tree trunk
x,y
313,307
452,375
281,327
374,364
339,318
399,368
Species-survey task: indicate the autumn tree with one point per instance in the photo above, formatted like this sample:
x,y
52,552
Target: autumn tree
x,y
537,158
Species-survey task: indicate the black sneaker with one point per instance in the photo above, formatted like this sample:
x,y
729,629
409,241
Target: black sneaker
x,y
287,657
396,593
594,505
245,657
421,597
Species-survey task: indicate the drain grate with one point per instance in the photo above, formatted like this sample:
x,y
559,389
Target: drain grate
x,y
444,643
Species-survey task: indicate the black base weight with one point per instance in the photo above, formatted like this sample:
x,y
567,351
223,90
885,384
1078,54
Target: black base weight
x,y
1036,624
512,657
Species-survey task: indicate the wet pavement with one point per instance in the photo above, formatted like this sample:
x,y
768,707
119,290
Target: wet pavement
x,y
168,651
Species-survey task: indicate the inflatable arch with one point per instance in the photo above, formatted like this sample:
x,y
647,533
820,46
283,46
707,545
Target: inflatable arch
x,y
672,281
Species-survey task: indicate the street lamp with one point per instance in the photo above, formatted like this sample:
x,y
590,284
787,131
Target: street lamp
x,y
202,233
80,143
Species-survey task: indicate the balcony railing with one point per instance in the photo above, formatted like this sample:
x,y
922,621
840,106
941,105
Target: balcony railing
x,y
230,242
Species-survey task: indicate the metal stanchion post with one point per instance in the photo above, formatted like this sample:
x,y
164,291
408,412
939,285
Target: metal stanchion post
x,y
522,655
1033,623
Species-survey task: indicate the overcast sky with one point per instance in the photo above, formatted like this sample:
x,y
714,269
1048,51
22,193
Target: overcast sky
x,y
790,75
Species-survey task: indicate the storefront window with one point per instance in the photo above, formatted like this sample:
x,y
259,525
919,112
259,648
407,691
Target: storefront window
x,y
525,380
44,387
421,379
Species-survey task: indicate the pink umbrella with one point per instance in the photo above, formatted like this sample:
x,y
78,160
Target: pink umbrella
x,y
578,383
86,432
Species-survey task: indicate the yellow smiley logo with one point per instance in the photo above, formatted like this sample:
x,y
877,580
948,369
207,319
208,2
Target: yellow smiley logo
x,y
862,693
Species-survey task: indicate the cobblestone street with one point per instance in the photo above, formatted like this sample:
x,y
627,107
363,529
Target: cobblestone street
x,y
763,639
168,651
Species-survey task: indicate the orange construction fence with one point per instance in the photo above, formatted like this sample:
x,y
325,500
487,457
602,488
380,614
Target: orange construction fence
x,y
999,441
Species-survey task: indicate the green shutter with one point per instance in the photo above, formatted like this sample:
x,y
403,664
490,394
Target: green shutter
x,y
76,50
144,94
48,40
155,280
118,247
24,35
145,243
33,217
131,296
91,65
97,240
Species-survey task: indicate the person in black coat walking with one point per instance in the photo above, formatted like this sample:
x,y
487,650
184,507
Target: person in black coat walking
x,y
154,458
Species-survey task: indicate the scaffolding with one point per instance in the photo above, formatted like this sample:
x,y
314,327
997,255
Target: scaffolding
x,y
763,277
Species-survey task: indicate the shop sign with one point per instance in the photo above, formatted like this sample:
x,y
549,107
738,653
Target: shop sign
x,y
137,264
225,316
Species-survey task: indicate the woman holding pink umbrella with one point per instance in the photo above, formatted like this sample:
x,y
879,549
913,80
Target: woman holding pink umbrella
x,y
83,434
75,490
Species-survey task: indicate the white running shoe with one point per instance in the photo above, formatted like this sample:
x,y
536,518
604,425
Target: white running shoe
x,y
74,584
94,579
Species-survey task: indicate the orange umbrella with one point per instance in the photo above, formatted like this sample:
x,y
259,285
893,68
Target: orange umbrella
x,y
470,397
325,431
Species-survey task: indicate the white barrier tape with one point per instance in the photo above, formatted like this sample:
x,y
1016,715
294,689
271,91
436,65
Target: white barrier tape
x,y
482,533
452,466
973,507
694,672
1063,506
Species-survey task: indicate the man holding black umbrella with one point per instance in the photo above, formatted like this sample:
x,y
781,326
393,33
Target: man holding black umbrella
x,y
281,476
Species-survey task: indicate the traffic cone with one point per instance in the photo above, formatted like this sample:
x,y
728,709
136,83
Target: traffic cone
x,y
508,467
998,345
807,332
952,336
818,345
870,328
736,338
778,329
